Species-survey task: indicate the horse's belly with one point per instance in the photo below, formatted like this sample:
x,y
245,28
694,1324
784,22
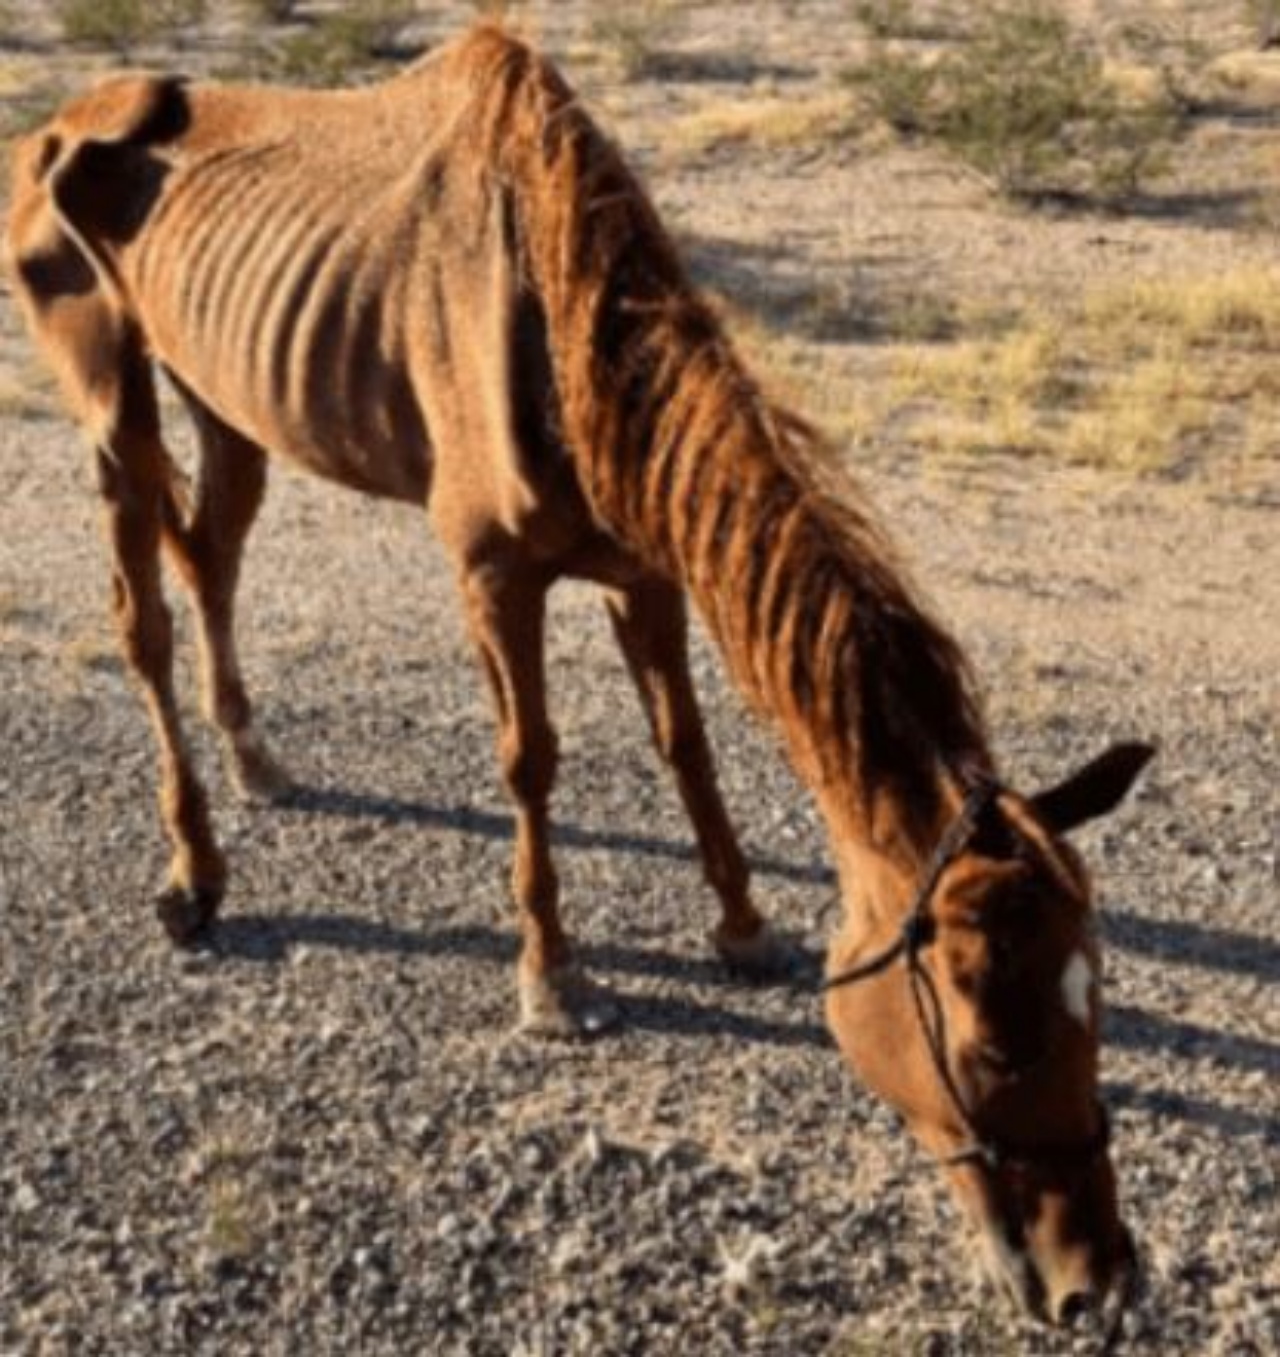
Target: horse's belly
x,y
339,409
368,435
296,337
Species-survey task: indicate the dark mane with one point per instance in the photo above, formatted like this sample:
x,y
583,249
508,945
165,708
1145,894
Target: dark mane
x,y
685,460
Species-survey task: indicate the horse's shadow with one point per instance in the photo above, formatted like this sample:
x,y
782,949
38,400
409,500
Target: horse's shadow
x,y
270,939
1199,945
494,825
1166,1104
1161,939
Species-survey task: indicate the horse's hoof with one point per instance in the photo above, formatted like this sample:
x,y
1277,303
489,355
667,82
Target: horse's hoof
x,y
564,1003
764,955
188,913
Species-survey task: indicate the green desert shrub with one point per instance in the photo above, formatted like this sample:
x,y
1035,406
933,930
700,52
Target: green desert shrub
x,y
635,32
343,45
270,11
901,90
903,19
122,25
1027,105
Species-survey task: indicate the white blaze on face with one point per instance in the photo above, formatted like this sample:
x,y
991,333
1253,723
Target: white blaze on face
x,y
1077,987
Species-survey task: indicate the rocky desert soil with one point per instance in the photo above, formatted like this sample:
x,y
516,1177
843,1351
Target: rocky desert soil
x,y
319,1133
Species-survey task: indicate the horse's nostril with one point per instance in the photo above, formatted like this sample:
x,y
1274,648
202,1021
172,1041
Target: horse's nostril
x,y
1075,1305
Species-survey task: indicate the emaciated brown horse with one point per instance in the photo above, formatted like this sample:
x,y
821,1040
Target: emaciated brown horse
x,y
449,290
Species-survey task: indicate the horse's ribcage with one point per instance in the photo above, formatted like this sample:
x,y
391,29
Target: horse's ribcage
x,y
276,307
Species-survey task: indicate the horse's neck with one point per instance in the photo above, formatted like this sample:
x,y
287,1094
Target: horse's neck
x,y
881,841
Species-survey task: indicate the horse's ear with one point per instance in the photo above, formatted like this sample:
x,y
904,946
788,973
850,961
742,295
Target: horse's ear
x,y
1097,789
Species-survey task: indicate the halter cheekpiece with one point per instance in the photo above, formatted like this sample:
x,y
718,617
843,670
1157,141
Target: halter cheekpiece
x,y
918,931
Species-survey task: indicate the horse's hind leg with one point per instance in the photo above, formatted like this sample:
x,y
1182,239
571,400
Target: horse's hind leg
x,y
650,622
133,473
207,551
506,609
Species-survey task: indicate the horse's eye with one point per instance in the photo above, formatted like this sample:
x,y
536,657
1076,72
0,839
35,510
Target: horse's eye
x,y
995,1059
1002,1062
1005,954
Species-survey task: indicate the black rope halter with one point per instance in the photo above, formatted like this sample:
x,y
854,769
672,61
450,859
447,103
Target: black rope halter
x,y
917,932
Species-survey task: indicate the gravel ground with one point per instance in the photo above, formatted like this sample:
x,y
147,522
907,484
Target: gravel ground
x,y
319,1135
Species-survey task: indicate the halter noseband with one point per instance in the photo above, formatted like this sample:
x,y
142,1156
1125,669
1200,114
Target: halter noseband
x,y
918,931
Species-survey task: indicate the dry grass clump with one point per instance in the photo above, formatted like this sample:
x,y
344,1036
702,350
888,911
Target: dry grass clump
x,y
1144,418
1173,50
1240,310
765,120
1029,365
225,1168
1142,377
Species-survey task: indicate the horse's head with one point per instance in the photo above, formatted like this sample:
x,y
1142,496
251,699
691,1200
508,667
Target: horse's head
x,y
978,1022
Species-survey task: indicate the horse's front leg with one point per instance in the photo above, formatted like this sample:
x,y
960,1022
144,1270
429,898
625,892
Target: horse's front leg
x,y
207,551
650,622
133,471
506,608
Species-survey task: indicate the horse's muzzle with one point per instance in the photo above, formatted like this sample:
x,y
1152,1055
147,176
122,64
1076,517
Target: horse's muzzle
x,y
1070,1297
